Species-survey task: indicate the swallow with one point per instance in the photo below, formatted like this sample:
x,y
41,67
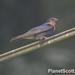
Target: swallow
x,y
40,32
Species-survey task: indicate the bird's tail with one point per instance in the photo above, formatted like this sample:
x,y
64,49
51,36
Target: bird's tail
x,y
23,36
15,38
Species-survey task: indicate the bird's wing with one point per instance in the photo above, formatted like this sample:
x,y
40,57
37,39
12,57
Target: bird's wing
x,y
39,29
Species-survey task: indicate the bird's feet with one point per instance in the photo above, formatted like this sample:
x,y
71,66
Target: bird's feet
x,y
43,40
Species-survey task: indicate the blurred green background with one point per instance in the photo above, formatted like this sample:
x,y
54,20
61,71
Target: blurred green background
x,y
17,17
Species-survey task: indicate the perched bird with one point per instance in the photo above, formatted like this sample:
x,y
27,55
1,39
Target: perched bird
x,y
40,32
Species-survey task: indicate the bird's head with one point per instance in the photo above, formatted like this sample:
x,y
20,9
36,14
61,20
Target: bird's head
x,y
52,21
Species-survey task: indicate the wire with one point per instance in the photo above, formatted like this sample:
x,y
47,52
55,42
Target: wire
x,y
35,45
